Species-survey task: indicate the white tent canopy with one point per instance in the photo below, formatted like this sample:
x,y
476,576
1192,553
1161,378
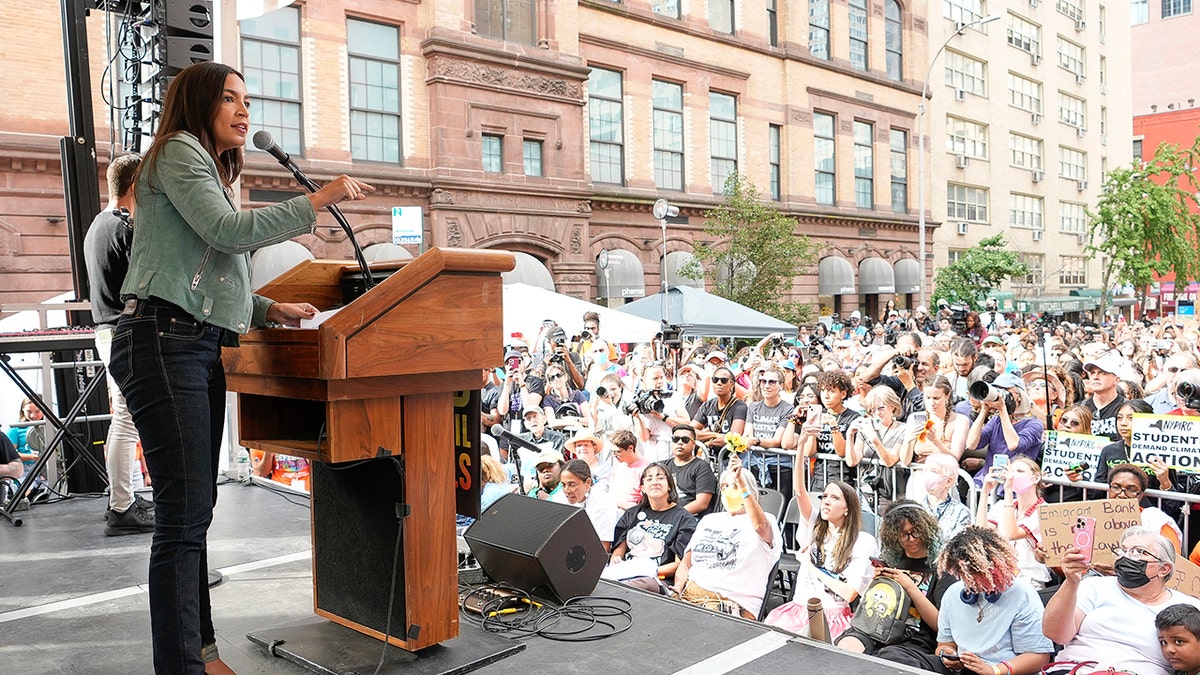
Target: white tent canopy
x,y
525,307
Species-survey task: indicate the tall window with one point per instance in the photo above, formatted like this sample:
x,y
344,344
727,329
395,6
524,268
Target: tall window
x,y
1072,110
1024,35
1036,263
818,28
899,152
1172,8
493,153
606,126
894,40
1070,56
858,34
962,11
1072,217
507,20
1072,163
722,138
824,159
1139,12
773,23
864,165
964,137
271,65
665,8
1026,152
1073,271
1025,211
966,73
374,51
720,15
964,202
531,155
668,135
1072,8
775,156
1024,93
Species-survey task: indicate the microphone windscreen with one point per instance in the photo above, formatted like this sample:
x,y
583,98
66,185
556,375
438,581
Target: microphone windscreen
x,y
497,430
262,139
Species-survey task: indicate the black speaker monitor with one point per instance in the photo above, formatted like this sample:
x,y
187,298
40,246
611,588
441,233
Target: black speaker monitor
x,y
546,549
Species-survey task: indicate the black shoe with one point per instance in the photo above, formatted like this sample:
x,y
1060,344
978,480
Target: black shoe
x,y
133,521
145,504
39,494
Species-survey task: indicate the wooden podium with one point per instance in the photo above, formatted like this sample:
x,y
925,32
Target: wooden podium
x,y
370,388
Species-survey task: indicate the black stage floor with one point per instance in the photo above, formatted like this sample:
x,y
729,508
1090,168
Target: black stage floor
x,y
74,601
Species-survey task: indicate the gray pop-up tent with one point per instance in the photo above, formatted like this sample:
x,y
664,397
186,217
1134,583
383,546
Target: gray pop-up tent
x,y
701,314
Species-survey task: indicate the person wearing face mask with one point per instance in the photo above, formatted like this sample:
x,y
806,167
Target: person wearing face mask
x,y
732,553
1109,621
941,499
1015,516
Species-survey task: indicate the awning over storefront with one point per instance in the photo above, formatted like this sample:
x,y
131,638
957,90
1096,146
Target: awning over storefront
x,y
908,276
675,261
835,276
1058,304
623,278
529,270
875,276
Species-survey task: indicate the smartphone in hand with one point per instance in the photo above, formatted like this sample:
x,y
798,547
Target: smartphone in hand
x,y
1084,532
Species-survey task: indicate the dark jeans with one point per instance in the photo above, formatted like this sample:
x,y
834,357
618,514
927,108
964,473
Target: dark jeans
x,y
168,366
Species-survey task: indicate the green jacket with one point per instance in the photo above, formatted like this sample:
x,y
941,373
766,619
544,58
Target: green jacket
x,y
191,245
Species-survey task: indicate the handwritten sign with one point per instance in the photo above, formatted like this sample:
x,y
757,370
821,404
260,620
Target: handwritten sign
x,y
1171,438
1186,578
1064,450
1113,517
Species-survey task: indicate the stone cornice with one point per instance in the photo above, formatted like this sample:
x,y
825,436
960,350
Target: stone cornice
x,y
854,100
657,55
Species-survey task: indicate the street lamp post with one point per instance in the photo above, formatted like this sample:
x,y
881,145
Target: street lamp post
x,y
962,28
662,210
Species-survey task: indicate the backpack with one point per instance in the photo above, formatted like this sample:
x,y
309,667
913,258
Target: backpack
x,y
882,612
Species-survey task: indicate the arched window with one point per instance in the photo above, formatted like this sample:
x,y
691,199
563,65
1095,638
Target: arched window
x,y
894,40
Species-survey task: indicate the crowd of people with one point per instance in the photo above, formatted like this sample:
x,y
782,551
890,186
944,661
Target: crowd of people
x,y
907,449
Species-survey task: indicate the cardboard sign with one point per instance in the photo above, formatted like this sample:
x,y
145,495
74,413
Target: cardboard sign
x,y
1113,517
1065,449
1186,578
1171,438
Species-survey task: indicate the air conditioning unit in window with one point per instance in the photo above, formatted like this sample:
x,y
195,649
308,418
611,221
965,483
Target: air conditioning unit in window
x,y
1036,118
962,161
1103,38
1035,59
1037,235
1080,131
1081,185
1103,139
1038,176
1079,78
1033,3
1080,25
1081,238
962,228
959,26
960,94
1103,88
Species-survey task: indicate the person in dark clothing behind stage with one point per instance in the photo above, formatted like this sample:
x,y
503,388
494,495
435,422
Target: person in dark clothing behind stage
x,y
106,249
187,295
695,482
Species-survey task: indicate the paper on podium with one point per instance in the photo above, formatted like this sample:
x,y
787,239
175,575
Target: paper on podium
x,y
319,318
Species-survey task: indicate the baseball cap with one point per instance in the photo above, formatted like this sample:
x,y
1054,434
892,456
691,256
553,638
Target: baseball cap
x,y
533,411
855,314
788,364
548,457
993,340
512,354
1109,362
1008,381
716,355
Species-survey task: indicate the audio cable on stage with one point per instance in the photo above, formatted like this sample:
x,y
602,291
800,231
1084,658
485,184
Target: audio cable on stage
x,y
512,612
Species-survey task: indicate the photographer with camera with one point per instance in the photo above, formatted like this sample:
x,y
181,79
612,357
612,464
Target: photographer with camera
x,y
648,408
904,361
556,351
561,396
510,403
1003,426
1161,389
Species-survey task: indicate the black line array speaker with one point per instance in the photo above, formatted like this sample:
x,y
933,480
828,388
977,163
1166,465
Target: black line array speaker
x,y
547,549
185,35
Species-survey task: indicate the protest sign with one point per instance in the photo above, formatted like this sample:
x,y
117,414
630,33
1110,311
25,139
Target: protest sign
x,y
1064,450
1171,438
1186,578
1113,517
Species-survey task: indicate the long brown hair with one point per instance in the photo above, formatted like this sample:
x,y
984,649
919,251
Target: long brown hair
x,y
190,105
850,528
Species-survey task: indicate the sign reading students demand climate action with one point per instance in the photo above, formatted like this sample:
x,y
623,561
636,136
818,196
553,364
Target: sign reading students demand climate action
x,y
1171,438
1059,521
1064,450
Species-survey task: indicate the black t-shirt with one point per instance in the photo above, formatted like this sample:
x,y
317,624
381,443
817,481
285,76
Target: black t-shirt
x,y
934,585
106,249
1104,421
830,470
8,451
662,536
694,478
715,418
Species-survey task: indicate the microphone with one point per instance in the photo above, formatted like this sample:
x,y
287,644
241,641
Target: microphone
x,y
499,431
263,141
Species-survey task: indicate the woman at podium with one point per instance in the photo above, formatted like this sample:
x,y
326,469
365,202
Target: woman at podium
x,y
188,294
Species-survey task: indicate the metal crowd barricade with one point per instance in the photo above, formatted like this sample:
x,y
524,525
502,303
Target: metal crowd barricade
x,y
1093,490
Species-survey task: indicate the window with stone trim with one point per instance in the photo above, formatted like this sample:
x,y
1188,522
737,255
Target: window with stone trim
x,y
606,126
899,170
894,39
271,67
824,158
818,28
667,101
1036,262
374,53
864,165
966,202
493,153
858,34
722,138
507,20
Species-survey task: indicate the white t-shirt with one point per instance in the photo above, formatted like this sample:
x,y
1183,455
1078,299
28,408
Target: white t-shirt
x,y
858,572
601,509
728,557
1037,573
1118,631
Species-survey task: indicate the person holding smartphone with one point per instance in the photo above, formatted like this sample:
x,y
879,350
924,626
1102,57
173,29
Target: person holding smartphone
x,y
1015,515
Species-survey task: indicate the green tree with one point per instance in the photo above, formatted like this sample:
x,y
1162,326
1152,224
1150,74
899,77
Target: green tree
x,y
1144,225
979,270
755,253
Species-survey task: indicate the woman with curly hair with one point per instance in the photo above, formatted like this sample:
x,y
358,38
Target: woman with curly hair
x,y
909,544
990,621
